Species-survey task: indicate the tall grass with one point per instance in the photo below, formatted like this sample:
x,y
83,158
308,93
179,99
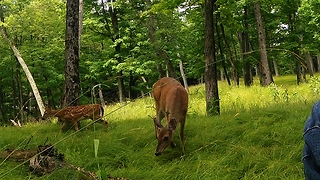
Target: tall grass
x,y
257,136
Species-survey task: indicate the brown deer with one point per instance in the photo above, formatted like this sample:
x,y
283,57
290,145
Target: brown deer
x,y
171,101
74,114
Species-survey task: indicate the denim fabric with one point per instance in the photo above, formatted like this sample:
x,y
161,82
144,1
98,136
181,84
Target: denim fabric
x,y
311,150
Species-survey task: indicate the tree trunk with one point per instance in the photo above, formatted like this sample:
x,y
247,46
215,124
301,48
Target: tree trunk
x,y
2,112
160,52
145,81
299,72
80,22
72,76
120,87
27,72
265,74
71,72
183,77
229,55
114,20
152,38
309,63
224,71
275,66
102,102
245,48
211,82
20,97
318,62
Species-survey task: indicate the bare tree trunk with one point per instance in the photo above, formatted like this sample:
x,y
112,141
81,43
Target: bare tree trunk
x,y
183,77
211,82
299,72
245,48
71,72
309,63
2,112
229,55
318,62
27,72
80,21
275,66
20,96
72,76
265,74
120,87
224,70
101,96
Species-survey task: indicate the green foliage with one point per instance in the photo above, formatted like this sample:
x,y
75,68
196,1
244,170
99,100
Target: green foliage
x,y
309,11
315,84
38,29
255,137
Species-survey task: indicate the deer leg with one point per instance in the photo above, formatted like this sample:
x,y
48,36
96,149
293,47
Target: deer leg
x,y
182,131
182,135
63,126
75,123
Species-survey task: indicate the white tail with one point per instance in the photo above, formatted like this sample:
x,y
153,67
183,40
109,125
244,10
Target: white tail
x,y
171,101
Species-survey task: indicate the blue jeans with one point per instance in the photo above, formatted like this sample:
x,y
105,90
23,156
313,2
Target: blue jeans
x,y
311,150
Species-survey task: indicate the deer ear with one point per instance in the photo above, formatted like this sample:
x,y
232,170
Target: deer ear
x,y
172,124
157,123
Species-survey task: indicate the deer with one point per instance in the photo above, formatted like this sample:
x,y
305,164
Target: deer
x,y
171,101
74,114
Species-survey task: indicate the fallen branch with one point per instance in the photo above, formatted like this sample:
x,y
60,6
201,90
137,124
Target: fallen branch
x,y
45,159
17,124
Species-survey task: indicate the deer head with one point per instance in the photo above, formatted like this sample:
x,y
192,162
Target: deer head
x,y
48,113
164,135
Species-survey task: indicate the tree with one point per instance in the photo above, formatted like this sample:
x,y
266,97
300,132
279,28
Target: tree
x,y
211,82
72,76
245,48
23,64
265,73
159,51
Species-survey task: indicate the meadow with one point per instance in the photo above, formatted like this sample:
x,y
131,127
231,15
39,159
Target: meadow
x,y
257,136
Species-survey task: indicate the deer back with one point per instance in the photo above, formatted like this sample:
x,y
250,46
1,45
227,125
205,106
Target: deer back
x,y
171,99
93,111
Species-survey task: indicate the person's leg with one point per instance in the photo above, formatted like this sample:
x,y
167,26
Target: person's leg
x,y
311,154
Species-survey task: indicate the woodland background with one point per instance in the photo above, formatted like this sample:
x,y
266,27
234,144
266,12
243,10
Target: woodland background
x,y
136,41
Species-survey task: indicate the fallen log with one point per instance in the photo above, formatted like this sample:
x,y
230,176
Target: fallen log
x,y
44,160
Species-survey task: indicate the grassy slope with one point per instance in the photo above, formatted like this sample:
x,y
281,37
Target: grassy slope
x,y
257,136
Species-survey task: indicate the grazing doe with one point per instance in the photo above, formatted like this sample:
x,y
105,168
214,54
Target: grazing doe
x,y
171,101
74,114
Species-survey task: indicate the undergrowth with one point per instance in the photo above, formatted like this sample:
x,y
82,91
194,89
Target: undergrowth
x,y
257,136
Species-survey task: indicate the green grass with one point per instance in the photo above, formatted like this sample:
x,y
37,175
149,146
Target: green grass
x,y
257,136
